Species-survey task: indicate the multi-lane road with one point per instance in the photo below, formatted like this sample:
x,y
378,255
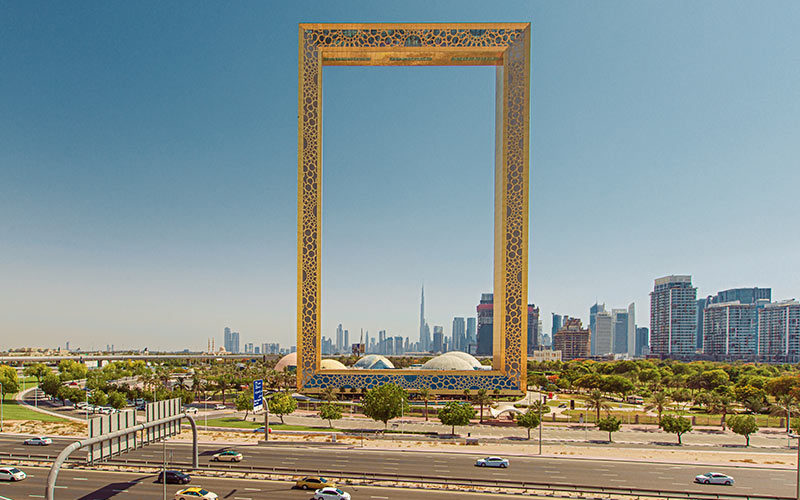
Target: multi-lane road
x,y
559,471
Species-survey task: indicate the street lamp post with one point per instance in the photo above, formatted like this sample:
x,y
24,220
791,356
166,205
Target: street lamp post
x,y
797,481
541,405
1,407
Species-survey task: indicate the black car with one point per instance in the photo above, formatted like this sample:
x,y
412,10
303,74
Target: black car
x,y
174,477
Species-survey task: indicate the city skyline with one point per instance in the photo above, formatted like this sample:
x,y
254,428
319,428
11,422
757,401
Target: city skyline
x,y
148,174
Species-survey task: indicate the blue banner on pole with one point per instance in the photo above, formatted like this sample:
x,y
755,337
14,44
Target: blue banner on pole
x,y
258,395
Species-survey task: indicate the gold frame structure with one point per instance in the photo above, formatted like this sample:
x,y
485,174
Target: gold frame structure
x,y
503,45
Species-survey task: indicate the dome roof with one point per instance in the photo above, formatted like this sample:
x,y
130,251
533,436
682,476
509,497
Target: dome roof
x,y
332,364
287,362
373,362
466,357
445,362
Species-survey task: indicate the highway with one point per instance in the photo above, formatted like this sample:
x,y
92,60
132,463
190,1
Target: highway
x,y
96,485
559,471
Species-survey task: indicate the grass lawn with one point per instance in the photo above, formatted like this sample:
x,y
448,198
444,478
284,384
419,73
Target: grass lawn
x,y
238,423
14,411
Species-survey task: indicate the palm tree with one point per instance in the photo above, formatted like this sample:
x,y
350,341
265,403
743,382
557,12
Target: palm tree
x,y
722,404
658,402
783,407
595,400
223,383
482,398
330,393
425,395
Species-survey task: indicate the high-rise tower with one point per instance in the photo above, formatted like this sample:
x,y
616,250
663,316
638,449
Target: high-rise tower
x,y
423,345
673,316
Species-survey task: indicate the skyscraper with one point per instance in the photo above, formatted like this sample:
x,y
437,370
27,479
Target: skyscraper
x,y
572,340
533,328
472,334
755,295
423,344
603,333
642,341
596,308
673,316
339,339
346,347
730,330
231,341
779,332
556,324
624,335
485,312
438,339
459,334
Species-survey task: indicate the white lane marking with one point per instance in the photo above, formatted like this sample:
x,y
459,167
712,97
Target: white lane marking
x,y
242,498
59,487
79,479
381,498
253,489
611,475
119,491
36,496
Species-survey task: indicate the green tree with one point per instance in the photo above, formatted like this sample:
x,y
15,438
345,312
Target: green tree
x,y
609,424
330,412
97,398
595,400
50,385
282,404
744,425
244,402
482,398
385,402
676,425
782,385
117,400
456,413
715,378
9,379
38,370
682,396
69,369
425,396
529,420
784,406
658,402
617,384
722,404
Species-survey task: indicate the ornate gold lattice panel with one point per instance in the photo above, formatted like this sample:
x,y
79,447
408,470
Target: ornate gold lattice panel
x,y
503,45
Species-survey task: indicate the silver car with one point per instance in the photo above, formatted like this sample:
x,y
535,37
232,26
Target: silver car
x,y
492,462
38,441
11,474
714,478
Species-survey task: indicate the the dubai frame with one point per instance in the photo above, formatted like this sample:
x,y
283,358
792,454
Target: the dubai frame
x,y
503,45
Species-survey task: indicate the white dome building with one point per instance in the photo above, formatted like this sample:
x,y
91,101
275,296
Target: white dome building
x,y
287,363
445,362
332,364
466,357
374,362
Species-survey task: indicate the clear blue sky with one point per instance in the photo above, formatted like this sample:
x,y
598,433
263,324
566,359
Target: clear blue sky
x,y
148,158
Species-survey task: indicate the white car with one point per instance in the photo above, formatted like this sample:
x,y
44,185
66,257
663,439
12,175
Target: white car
x,y
195,493
38,441
492,462
219,407
714,478
227,456
190,409
330,494
11,474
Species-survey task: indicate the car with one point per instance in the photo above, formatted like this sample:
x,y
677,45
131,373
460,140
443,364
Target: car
x,y
330,494
314,482
141,407
82,405
492,462
261,429
174,477
38,441
11,474
220,407
227,456
195,493
190,409
714,478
